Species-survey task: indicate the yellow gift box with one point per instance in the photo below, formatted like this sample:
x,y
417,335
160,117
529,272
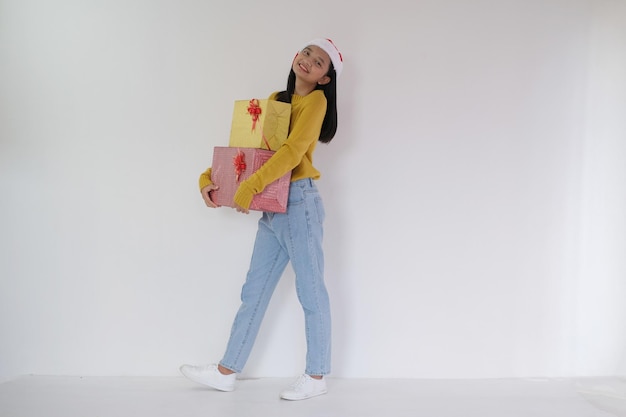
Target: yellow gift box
x,y
260,124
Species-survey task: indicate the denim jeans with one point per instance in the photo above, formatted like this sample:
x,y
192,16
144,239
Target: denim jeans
x,y
296,237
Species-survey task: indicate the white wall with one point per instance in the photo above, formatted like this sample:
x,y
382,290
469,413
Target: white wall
x,y
474,189
601,311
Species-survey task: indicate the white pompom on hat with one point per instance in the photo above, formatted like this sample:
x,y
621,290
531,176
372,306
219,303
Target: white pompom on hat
x,y
329,47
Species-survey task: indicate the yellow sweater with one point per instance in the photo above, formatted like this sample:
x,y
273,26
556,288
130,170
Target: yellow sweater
x,y
296,154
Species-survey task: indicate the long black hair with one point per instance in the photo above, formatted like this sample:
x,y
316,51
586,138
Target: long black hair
x,y
329,126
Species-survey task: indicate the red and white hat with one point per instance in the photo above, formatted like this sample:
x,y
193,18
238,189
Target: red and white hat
x,y
329,47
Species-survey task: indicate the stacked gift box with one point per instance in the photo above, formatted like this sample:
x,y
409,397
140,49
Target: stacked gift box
x,y
258,129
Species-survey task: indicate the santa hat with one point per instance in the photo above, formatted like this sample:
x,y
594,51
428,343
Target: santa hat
x,y
329,47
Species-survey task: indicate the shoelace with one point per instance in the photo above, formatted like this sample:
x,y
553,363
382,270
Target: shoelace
x,y
299,383
204,368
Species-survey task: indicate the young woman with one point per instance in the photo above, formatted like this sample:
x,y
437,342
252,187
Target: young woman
x,y
295,236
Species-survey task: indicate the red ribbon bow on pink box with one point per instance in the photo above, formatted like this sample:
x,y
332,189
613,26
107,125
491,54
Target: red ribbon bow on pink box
x,y
239,161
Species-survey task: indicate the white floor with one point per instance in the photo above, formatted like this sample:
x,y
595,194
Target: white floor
x,y
36,396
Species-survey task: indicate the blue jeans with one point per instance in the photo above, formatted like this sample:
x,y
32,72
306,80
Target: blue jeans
x,y
294,236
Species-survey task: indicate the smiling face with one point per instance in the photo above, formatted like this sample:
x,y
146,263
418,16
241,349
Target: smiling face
x,y
311,65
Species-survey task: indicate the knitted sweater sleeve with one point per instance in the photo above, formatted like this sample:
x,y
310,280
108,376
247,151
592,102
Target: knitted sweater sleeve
x,y
304,132
205,179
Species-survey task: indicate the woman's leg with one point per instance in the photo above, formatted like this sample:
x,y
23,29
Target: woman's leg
x,y
301,232
268,262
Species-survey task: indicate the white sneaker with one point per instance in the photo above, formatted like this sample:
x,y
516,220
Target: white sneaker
x,y
210,376
304,387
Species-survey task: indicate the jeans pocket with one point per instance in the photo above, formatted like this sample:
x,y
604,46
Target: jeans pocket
x,y
319,209
296,196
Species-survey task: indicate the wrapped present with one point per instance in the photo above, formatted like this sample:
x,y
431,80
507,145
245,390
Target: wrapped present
x,y
233,165
260,124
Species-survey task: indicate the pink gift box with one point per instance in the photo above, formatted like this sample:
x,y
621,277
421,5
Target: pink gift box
x,y
233,165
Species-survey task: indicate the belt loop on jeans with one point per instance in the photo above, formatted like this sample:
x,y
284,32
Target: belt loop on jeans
x,y
304,183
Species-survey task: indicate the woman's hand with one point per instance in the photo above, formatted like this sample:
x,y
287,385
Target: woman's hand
x,y
241,209
206,196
